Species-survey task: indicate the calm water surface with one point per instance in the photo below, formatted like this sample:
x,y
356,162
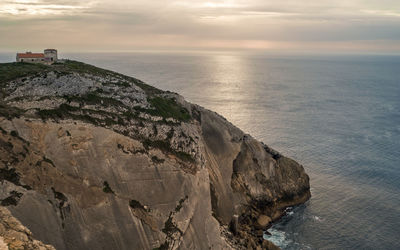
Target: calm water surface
x,y
337,115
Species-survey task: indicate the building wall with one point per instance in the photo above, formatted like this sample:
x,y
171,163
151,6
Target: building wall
x,y
31,60
50,55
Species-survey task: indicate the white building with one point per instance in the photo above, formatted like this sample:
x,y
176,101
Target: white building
x,y
48,57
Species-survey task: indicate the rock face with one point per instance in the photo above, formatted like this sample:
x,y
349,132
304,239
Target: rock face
x,y
91,159
13,235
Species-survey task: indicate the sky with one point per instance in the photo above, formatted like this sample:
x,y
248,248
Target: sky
x,y
362,26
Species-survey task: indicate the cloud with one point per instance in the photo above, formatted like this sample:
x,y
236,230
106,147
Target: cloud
x,y
126,24
37,8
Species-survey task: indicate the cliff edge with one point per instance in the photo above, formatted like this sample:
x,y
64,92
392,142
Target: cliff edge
x,y
92,159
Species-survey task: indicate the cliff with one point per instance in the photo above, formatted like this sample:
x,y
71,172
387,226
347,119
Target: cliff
x,y
92,159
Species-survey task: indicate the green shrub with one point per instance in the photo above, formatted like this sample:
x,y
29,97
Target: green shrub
x,y
166,148
12,71
107,188
157,160
168,108
136,204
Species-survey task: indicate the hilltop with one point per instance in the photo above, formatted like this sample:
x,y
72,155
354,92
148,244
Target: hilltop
x,y
93,159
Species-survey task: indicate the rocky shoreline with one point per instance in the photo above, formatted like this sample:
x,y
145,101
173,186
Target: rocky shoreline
x,y
95,159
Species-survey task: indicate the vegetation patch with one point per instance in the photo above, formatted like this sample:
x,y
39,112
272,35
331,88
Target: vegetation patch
x,y
180,204
131,115
166,148
80,67
168,108
169,227
163,246
162,145
184,156
12,71
65,111
107,188
3,131
10,175
119,83
61,112
136,204
93,98
157,160
6,145
10,112
62,201
59,196
47,160
11,200
150,90
14,133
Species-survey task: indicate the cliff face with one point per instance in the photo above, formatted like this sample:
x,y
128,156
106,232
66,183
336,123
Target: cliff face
x,y
91,159
13,235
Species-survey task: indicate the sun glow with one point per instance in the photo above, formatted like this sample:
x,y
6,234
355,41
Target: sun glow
x,y
352,25
221,5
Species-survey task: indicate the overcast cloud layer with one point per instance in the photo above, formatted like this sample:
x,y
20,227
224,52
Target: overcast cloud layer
x,y
118,25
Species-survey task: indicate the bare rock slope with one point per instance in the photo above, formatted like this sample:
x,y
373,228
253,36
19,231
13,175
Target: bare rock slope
x,y
13,235
92,159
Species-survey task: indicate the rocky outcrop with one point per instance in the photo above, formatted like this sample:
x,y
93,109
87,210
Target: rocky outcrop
x,y
91,159
13,235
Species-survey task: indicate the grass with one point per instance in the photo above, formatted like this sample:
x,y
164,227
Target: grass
x,y
12,71
168,108
163,107
160,106
80,67
93,98
67,111
165,146
150,90
61,112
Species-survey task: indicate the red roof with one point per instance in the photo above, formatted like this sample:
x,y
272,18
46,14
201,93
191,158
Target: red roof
x,y
30,55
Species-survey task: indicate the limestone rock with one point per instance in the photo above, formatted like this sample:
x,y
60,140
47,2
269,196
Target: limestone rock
x,y
263,221
91,159
13,235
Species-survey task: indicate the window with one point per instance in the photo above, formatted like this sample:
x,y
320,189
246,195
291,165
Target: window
x,y
22,60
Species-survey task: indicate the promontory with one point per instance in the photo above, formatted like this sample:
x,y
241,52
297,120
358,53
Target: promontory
x,y
93,159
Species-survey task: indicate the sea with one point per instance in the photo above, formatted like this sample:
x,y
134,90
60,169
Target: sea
x,y
337,115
